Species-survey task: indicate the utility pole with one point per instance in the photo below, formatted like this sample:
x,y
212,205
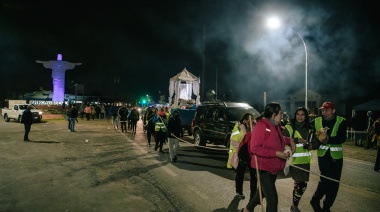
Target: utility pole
x,y
203,63
265,99
216,84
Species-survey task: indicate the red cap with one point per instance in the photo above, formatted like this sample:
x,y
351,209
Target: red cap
x,y
327,105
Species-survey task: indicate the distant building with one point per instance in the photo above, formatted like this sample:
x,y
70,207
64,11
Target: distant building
x,y
314,101
44,97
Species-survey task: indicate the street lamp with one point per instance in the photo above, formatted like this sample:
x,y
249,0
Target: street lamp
x,y
275,23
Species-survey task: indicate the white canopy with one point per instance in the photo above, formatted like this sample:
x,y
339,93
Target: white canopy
x,y
181,90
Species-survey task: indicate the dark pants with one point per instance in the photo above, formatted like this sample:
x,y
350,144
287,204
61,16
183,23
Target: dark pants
x,y
331,168
27,130
377,163
123,125
269,191
129,124
160,139
239,179
72,124
149,132
133,125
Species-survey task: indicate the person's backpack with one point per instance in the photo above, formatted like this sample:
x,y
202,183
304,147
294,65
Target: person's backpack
x,y
135,115
243,152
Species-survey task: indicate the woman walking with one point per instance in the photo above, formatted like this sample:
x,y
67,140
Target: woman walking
x,y
268,157
299,129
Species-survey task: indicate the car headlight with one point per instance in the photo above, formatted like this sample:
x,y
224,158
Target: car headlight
x,y
40,113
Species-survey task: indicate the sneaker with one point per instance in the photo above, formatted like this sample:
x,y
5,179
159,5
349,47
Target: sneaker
x,y
240,195
316,206
294,209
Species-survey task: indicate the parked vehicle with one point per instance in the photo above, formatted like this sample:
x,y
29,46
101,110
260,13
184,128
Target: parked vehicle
x,y
214,121
15,110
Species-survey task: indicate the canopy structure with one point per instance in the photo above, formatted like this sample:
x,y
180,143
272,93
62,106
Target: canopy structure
x,y
182,86
373,105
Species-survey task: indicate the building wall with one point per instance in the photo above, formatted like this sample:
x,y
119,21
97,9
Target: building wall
x,y
314,99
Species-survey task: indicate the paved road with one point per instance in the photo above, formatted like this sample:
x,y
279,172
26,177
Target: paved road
x,y
112,171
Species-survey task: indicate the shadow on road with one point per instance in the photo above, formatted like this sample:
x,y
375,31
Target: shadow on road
x,y
45,142
233,206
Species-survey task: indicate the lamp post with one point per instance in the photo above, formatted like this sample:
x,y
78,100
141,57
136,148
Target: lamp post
x,y
275,23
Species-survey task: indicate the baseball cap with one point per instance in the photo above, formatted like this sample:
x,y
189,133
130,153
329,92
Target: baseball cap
x,y
327,105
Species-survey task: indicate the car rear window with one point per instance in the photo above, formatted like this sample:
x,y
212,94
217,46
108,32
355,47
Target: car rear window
x,y
235,114
200,112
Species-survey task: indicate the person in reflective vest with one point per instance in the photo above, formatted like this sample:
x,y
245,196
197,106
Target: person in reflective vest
x,y
331,130
299,129
376,139
160,129
237,134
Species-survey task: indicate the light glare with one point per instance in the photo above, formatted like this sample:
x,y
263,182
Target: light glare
x,y
273,23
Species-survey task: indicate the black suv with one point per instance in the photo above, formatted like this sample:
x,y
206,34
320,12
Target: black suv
x,y
214,121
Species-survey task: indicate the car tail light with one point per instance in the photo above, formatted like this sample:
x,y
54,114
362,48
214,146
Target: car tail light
x,y
192,123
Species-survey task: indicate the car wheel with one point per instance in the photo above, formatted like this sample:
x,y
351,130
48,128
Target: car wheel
x,y
6,118
198,139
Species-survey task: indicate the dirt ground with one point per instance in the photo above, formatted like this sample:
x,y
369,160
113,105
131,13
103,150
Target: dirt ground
x,y
92,169
355,152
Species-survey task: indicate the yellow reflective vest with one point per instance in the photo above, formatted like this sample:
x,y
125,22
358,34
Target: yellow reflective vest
x,y
160,125
336,150
235,139
375,137
301,155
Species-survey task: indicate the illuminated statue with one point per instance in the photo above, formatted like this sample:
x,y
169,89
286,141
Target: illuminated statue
x,y
58,74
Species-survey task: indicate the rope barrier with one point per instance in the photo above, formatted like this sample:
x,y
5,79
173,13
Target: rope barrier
x,y
337,181
204,147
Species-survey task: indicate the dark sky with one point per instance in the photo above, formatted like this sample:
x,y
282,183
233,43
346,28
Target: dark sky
x,y
144,43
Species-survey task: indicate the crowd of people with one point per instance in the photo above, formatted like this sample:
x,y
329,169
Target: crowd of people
x,y
266,138
261,144
158,122
124,114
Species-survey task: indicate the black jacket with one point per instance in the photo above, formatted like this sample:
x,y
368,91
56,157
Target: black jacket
x,y
74,112
174,126
123,113
27,117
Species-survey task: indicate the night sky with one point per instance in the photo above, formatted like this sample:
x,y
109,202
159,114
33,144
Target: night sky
x,y
145,43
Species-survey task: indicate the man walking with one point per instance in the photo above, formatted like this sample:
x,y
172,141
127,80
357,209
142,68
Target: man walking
x,y
331,130
73,117
27,119
174,132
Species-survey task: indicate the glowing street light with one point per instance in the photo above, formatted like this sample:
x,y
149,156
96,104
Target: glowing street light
x,y
274,23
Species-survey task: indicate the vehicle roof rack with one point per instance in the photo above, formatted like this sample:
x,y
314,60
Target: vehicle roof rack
x,y
215,102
